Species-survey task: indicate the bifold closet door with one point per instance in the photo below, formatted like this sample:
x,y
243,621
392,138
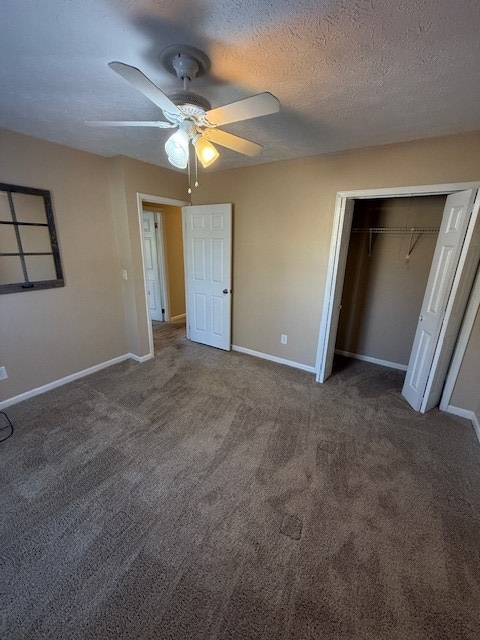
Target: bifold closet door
x,y
439,292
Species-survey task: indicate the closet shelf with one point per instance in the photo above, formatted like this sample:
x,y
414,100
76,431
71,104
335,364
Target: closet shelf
x,y
413,232
396,230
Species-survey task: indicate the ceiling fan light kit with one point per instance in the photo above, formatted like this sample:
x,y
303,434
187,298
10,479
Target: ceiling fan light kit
x,y
197,122
177,149
206,152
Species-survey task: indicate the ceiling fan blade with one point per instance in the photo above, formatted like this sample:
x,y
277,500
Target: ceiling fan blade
x,y
136,78
260,105
161,124
241,145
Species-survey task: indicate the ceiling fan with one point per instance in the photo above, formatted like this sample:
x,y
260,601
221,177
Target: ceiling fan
x,y
190,113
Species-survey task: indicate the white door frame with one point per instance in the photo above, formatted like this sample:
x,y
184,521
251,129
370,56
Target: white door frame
x,y
141,198
342,199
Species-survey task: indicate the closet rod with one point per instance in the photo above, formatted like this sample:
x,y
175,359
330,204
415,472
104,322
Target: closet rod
x,y
411,231
396,230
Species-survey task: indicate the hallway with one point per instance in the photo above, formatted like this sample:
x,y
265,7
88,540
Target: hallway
x,y
167,334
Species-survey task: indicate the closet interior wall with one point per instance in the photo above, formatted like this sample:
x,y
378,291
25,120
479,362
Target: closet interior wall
x,y
385,277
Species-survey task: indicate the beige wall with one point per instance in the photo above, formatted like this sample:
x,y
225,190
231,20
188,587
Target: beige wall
x,y
130,177
283,216
173,241
97,316
383,292
46,335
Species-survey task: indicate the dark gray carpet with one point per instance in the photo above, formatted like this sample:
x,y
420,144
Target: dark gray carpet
x,y
166,334
213,495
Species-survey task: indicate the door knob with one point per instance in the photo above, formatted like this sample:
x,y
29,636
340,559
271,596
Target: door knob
x,y
225,291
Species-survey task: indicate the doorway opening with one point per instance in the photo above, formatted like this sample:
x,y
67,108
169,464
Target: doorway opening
x,y
449,283
154,262
160,221
168,334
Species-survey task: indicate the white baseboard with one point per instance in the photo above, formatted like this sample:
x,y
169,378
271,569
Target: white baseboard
x,y
71,378
465,413
384,363
458,411
182,316
132,356
267,356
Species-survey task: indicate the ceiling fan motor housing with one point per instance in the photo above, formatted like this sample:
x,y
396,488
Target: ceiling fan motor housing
x,y
189,98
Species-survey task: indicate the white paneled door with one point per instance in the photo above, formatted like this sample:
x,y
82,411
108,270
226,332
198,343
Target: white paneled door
x,y
433,315
208,273
152,274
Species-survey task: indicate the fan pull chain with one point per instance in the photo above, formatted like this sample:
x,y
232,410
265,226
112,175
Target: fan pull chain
x,y
196,170
189,173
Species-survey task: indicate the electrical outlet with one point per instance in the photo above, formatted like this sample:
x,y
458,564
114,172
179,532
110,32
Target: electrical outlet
x,y
283,338
124,274
3,373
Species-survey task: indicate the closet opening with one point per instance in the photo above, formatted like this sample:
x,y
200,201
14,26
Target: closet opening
x,y
390,252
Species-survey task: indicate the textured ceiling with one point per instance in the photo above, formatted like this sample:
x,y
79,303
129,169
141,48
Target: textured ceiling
x,y
348,73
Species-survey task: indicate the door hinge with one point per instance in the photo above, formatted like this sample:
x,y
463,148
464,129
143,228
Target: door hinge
x,y
156,225
163,310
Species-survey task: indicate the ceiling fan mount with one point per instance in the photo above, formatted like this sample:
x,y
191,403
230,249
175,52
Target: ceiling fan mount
x,y
184,61
187,63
